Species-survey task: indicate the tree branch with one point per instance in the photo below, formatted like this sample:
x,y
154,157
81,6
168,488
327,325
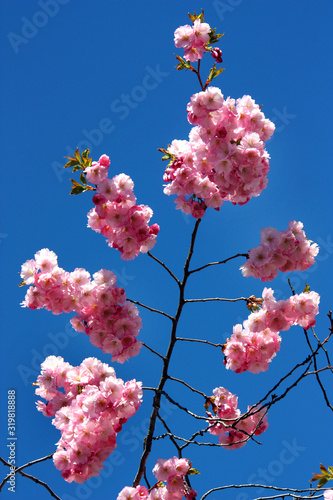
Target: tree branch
x,y
218,299
201,341
147,444
219,262
187,385
165,267
286,491
152,350
24,474
150,308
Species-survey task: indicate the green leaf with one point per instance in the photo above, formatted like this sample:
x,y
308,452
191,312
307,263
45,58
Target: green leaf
x,y
192,471
330,470
306,289
218,72
85,153
77,190
85,158
77,155
75,183
183,64
70,163
77,167
323,481
83,178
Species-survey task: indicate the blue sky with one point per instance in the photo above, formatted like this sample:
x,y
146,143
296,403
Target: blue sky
x,y
102,75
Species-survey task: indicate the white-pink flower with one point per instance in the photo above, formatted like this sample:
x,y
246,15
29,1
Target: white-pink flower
x,y
94,407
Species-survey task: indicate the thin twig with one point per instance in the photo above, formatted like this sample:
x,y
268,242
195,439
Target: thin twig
x,y
150,308
320,370
218,299
152,350
201,341
165,267
18,469
219,262
316,367
264,486
35,479
170,434
187,385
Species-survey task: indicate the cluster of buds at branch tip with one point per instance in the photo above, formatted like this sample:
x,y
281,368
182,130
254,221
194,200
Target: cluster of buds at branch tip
x,y
253,304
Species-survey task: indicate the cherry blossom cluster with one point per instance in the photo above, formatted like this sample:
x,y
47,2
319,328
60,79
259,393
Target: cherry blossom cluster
x,y
89,405
225,408
170,474
253,346
225,157
284,251
116,215
193,39
103,313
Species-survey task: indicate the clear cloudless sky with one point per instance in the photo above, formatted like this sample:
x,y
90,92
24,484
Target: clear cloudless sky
x,y
66,67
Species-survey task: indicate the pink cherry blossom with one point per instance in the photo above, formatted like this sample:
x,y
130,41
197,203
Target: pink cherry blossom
x,y
233,429
170,474
94,407
253,345
116,216
102,311
225,158
283,251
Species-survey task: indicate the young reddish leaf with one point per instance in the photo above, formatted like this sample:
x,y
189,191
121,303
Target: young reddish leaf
x,y
316,477
194,16
322,467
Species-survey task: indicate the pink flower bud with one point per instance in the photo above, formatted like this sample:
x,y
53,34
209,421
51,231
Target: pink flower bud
x,y
217,54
